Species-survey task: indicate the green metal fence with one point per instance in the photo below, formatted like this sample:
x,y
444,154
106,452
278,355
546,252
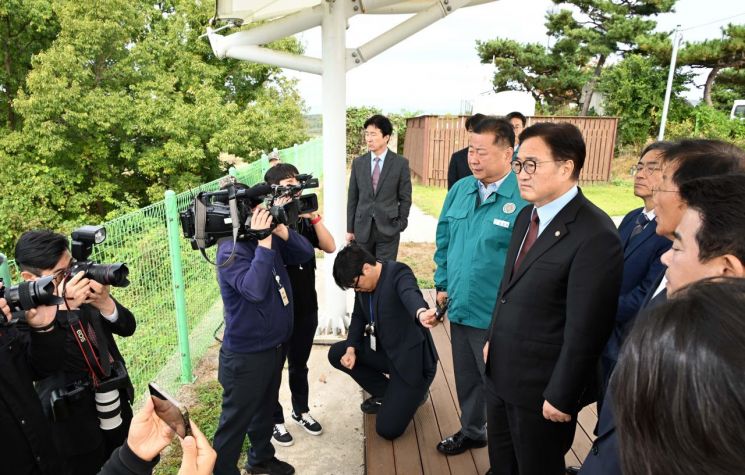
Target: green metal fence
x,y
173,291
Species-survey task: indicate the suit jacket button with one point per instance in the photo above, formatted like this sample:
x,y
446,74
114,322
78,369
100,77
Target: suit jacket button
x,y
503,301
594,450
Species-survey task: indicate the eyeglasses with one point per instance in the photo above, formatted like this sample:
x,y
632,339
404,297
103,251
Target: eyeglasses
x,y
529,165
356,282
648,169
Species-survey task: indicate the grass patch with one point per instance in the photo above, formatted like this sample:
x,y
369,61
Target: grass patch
x,y
429,198
206,412
418,256
615,198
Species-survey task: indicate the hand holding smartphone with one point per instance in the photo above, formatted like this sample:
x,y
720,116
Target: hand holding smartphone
x,y
170,411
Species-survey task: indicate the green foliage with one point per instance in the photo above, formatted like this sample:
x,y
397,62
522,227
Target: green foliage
x,y
722,54
26,27
634,90
126,102
356,117
710,123
553,76
584,37
728,87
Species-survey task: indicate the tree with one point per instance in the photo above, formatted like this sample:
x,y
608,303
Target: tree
x,y
26,28
585,37
726,53
634,90
127,102
554,77
728,87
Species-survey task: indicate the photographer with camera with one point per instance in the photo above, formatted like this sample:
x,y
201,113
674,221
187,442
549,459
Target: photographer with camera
x,y
305,309
27,356
88,399
257,297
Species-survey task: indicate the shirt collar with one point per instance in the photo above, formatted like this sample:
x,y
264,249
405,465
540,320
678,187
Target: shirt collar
x,y
491,187
549,211
381,156
650,214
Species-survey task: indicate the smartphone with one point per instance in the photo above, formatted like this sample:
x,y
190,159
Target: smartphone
x,y
170,410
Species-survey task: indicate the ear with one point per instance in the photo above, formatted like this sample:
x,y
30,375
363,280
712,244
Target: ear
x,y
366,268
732,266
567,167
26,275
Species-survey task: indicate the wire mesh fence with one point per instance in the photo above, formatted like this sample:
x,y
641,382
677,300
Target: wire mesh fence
x,y
141,240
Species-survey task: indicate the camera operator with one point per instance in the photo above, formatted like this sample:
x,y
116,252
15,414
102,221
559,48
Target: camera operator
x,y
305,313
88,399
24,357
257,297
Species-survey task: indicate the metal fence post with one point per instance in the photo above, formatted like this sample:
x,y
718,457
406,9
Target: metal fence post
x,y
5,271
233,172
177,281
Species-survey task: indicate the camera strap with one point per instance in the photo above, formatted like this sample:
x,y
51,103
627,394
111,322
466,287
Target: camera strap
x,y
200,218
87,340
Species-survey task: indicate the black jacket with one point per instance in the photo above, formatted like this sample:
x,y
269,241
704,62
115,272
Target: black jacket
x,y
24,431
395,301
555,313
458,167
124,462
80,433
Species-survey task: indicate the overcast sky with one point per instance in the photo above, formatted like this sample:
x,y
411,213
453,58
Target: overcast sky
x,y
437,69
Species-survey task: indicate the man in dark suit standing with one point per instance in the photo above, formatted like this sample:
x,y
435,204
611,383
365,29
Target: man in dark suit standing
x,y
379,196
642,248
387,336
555,308
458,167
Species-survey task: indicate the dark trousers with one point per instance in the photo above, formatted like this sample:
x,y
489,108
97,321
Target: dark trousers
x,y
400,399
522,442
298,352
384,248
469,369
250,385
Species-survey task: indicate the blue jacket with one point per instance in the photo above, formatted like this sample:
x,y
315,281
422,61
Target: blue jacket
x,y
255,317
472,243
641,268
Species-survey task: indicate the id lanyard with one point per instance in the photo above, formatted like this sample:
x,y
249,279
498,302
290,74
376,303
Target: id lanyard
x,y
281,289
371,327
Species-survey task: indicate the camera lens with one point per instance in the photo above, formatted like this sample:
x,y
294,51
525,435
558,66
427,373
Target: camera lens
x,y
28,295
109,409
109,274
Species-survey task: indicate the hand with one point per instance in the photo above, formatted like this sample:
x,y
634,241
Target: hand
x,y
441,297
198,456
261,219
5,308
282,232
41,316
486,354
282,200
350,237
75,291
553,414
148,434
349,358
100,298
428,319
311,216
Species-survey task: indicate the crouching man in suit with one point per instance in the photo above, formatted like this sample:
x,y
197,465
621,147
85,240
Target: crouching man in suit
x,y
387,336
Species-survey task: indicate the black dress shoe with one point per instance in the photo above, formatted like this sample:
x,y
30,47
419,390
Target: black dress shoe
x,y
459,443
371,405
273,466
572,470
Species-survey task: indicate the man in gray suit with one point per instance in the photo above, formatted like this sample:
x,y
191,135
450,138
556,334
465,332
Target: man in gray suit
x,y
379,195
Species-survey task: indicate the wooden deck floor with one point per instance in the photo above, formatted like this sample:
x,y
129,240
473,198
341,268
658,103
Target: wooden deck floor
x,y
415,453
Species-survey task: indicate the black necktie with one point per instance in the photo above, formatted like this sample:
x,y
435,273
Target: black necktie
x,y
641,221
530,239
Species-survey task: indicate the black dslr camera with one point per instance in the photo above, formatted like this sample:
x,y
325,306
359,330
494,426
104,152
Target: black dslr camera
x,y
227,213
83,240
28,295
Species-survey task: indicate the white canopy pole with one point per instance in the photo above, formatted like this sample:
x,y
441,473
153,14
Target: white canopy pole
x,y
257,54
331,317
436,11
677,39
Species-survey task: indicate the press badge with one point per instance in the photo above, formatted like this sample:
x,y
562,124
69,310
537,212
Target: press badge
x,y
373,343
282,291
502,223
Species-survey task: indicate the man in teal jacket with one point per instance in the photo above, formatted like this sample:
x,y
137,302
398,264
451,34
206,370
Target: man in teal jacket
x,y
473,234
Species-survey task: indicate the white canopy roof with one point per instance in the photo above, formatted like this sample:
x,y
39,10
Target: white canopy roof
x,y
250,11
